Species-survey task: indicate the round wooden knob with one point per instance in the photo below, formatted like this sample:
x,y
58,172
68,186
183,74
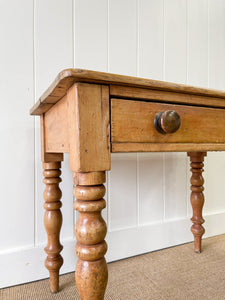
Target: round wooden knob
x,y
167,121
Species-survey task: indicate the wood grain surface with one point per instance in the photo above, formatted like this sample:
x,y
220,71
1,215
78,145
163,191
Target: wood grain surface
x,y
90,230
89,130
53,221
163,147
68,77
179,97
197,197
133,122
56,128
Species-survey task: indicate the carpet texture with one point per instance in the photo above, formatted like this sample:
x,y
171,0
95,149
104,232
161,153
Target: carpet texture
x,y
173,273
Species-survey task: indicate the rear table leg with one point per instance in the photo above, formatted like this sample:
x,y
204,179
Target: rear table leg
x,y
197,197
53,221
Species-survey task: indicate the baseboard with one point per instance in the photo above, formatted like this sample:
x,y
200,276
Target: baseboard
x,y
150,237
26,265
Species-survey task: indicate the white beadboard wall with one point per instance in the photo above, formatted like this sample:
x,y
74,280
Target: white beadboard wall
x,y
147,194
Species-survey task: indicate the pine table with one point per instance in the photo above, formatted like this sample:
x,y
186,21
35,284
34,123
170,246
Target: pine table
x,y
92,114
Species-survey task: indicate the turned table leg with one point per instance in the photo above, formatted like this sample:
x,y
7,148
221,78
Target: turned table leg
x,y
197,197
53,221
90,230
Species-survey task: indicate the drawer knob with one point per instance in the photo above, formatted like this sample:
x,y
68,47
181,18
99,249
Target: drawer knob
x,y
167,121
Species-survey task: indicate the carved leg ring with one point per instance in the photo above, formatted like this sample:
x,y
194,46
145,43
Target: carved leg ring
x,y
53,221
90,230
197,197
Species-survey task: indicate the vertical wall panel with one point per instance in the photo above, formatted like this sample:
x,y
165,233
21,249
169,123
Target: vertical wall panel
x,y
150,65
151,206
216,44
175,68
53,52
122,192
175,40
53,40
122,58
197,43
215,187
16,126
215,162
197,61
122,37
91,29
150,46
175,186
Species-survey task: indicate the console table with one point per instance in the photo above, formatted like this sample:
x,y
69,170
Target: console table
x,y
92,114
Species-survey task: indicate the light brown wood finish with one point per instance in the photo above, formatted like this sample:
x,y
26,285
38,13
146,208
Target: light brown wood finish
x,y
160,147
68,77
56,128
76,117
197,197
135,93
90,230
47,157
79,124
53,221
89,128
133,122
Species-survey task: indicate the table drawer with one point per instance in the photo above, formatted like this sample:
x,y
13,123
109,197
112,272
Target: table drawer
x,y
133,122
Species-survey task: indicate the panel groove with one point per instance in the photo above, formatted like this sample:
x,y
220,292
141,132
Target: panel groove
x,y
138,192
34,121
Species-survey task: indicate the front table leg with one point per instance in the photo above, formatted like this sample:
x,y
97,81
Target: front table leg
x,y
197,197
90,230
53,221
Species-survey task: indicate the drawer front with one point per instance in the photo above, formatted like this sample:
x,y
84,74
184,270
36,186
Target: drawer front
x,y
133,122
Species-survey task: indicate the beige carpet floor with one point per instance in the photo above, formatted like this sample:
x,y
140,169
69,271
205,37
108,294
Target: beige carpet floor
x,y
173,273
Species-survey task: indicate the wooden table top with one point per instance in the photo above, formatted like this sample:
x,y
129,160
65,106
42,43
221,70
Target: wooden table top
x,y
66,78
